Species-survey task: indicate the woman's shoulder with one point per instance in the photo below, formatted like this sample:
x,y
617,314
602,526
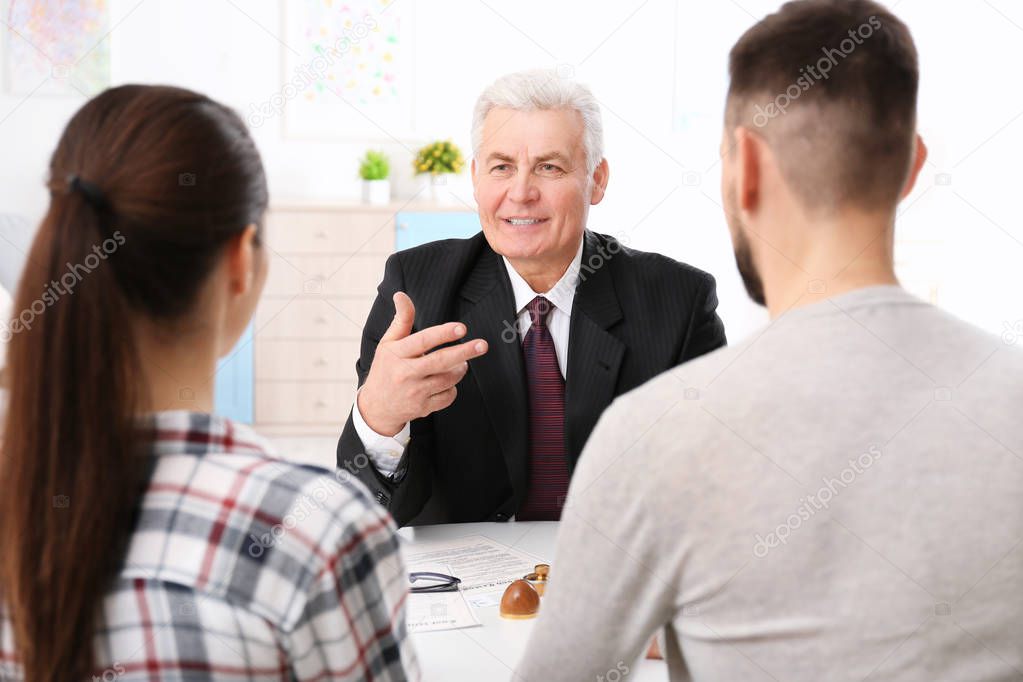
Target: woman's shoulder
x,y
205,459
269,498
252,528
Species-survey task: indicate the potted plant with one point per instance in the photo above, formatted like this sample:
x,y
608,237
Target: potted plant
x,y
374,169
438,159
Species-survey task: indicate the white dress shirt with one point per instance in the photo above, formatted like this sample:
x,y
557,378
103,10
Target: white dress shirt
x,y
385,451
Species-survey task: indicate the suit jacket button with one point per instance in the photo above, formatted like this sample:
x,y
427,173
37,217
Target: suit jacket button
x,y
500,516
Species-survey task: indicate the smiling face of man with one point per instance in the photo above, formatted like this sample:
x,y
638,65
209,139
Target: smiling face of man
x,y
533,190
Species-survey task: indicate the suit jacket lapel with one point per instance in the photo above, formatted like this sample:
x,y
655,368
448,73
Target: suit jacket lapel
x,y
488,311
595,356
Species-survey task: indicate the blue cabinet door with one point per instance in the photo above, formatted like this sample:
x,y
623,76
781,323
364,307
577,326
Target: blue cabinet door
x,y
413,228
233,389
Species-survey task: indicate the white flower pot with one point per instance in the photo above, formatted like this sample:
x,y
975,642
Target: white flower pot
x,y
376,192
439,189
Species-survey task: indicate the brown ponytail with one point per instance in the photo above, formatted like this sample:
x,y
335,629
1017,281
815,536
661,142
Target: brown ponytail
x,y
147,185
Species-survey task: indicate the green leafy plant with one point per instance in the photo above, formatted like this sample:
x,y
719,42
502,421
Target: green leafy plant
x,y
439,157
374,166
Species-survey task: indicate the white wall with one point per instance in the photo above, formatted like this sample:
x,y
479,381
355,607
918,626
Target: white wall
x,y
961,242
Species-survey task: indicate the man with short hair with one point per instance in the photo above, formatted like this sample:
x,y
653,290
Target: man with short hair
x,y
560,321
838,497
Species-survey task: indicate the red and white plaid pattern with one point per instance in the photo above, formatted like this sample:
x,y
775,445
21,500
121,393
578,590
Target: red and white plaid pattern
x,y
246,567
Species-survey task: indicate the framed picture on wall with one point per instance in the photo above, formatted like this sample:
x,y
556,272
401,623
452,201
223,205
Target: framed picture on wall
x,y
51,47
349,72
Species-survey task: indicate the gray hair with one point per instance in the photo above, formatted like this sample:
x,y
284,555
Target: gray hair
x,y
541,90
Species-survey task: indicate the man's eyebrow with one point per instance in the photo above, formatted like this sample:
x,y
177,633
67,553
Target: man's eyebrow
x,y
543,158
498,156
552,156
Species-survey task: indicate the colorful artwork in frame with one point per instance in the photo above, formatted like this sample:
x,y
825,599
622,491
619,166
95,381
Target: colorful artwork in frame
x,y
58,48
348,72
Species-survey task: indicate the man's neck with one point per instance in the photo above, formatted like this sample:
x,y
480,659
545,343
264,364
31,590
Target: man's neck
x,y
542,276
846,254
809,291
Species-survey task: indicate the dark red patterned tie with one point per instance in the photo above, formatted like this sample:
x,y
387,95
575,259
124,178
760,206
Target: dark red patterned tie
x,y
548,473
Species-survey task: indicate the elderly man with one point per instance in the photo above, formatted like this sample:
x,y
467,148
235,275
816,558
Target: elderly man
x,y
560,321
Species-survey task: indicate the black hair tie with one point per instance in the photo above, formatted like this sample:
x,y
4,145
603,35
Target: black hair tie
x,y
93,195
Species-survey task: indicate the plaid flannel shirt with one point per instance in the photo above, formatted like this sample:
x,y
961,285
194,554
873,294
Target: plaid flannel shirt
x,y
246,567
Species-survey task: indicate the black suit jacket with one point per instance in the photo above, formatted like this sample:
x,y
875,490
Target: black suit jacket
x,y
634,316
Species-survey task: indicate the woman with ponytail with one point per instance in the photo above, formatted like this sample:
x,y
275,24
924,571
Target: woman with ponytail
x,y
144,538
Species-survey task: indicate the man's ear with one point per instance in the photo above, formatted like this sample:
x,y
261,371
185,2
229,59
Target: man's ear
x,y
475,183
748,160
241,260
601,174
919,159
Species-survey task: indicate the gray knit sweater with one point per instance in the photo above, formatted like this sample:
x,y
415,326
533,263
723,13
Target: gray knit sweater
x,y
838,498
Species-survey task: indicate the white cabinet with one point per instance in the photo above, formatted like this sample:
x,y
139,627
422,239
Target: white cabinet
x,y
325,264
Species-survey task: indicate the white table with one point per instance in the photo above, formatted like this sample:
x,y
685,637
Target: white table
x,y
490,652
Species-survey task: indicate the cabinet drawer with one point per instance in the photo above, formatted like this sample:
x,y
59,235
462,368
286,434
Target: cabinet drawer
x,y
330,232
304,402
312,318
333,275
291,360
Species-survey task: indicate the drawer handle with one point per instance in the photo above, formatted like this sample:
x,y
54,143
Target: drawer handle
x,y
320,404
321,319
322,234
320,362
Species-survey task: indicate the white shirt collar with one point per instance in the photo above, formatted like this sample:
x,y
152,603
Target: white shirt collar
x,y
561,294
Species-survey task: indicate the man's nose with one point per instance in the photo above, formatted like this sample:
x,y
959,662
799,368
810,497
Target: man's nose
x,y
523,189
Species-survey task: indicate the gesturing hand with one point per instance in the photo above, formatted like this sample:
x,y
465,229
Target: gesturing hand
x,y
406,381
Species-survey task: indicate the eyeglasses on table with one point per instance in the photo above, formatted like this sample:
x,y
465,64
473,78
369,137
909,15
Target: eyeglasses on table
x,y
436,582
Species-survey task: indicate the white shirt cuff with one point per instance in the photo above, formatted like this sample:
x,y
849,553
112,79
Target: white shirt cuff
x,y
383,451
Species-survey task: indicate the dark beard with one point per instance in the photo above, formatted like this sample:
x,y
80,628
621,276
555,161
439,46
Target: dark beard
x,y
747,269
